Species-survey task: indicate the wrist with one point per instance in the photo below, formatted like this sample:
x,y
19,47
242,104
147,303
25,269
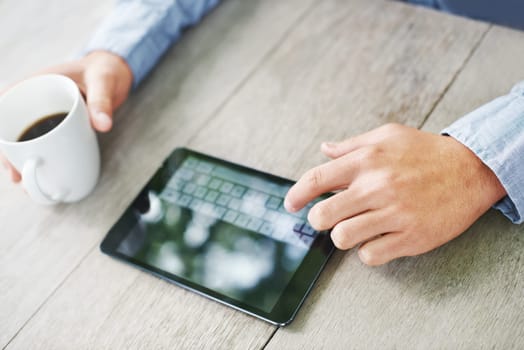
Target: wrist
x,y
477,175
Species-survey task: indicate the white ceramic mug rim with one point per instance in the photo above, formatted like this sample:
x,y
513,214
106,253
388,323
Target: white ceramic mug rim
x,y
59,126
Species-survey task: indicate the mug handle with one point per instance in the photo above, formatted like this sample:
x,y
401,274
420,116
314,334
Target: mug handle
x,y
29,180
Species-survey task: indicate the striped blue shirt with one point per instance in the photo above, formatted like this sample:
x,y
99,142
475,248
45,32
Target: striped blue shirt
x,y
505,12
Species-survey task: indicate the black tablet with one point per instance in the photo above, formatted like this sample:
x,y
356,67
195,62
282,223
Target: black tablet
x,y
220,229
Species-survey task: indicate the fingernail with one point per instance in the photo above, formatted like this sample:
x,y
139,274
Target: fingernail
x,y
102,117
103,120
329,144
289,207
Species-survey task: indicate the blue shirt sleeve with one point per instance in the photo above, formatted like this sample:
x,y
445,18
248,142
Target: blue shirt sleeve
x,y
495,133
140,31
505,12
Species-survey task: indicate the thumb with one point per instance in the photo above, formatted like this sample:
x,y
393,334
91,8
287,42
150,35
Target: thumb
x,y
99,94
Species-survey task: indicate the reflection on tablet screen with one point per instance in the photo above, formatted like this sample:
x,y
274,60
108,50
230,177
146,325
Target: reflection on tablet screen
x,y
223,229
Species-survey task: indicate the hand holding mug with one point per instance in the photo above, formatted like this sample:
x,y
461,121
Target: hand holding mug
x,y
104,79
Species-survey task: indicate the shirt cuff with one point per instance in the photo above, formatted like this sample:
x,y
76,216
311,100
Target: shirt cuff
x,y
141,31
495,133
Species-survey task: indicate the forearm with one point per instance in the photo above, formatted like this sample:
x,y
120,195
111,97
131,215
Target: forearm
x,y
140,31
495,133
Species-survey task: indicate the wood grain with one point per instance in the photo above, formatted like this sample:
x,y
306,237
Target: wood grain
x,y
495,66
350,66
39,250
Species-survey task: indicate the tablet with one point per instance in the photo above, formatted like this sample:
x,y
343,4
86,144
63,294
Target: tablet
x,y
220,229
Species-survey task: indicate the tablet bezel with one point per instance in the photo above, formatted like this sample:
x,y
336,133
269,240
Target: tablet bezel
x,y
294,293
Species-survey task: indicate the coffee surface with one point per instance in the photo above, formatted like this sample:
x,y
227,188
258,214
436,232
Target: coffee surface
x,y
42,126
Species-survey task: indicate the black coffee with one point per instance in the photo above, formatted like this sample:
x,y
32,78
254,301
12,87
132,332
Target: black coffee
x,y
42,126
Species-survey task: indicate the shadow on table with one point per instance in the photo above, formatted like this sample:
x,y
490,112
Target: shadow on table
x,y
490,250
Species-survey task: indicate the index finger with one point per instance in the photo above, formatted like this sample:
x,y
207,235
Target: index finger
x,y
327,177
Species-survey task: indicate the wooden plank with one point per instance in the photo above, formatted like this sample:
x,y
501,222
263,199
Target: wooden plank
x,y
38,251
469,294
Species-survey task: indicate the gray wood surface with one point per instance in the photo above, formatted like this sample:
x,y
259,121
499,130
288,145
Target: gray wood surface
x,y
36,34
263,83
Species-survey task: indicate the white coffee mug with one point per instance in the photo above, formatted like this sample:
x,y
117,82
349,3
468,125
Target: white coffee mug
x,y
62,165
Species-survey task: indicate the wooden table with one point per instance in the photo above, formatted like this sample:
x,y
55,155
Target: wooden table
x,y
263,83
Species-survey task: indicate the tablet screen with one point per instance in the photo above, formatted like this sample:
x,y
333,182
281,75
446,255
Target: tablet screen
x,y
215,225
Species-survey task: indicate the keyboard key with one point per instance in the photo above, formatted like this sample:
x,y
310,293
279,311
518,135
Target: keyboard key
x,y
307,239
257,196
252,208
254,224
238,191
271,216
298,227
203,179
278,234
234,204
190,188
223,199
262,198
219,211
176,184
273,203
211,196
184,174
308,230
190,163
252,195
204,167
230,216
266,229
215,184
183,200
207,209
195,204
226,187
200,192
242,221
285,223
169,194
